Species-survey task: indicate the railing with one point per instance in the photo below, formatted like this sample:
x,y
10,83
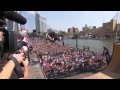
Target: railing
x,y
92,49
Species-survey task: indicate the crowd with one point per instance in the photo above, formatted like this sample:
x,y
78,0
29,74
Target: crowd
x,y
43,47
60,61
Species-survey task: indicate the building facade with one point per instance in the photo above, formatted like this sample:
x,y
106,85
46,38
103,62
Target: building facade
x,y
109,29
73,30
37,22
70,30
43,24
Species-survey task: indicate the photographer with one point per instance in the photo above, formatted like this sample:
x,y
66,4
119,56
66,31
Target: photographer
x,y
22,37
9,59
7,69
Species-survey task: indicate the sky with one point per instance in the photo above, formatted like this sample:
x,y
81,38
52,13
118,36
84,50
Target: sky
x,y
62,20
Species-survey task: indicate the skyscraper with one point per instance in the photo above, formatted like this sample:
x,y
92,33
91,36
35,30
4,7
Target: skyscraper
x,y
43,24
37,22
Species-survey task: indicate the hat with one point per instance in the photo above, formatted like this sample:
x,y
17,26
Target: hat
x,y
22,33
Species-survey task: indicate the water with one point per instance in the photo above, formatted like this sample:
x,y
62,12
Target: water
x,y
95,45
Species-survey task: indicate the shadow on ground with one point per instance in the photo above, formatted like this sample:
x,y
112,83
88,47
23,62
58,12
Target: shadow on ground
x,y
34,63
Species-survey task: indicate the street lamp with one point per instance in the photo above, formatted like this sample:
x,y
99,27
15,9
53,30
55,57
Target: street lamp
x,y
63,40
76,37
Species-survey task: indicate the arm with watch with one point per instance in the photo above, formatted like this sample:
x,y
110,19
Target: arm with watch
x,y
13,63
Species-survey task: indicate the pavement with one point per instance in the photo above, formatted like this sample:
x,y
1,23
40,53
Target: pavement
x,y
80,76
35,71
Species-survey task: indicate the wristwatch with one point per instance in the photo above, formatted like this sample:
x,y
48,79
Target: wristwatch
x,y
14,60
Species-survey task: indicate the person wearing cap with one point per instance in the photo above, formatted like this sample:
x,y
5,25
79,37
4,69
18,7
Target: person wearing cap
x,y
24,33
22,36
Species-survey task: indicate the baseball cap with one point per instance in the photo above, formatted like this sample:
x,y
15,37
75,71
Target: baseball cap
x,y
22,33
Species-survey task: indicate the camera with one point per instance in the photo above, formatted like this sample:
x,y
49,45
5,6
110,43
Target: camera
x,y
10,44
10,41
10,37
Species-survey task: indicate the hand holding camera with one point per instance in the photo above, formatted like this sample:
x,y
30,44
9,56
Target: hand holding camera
x,y
10,43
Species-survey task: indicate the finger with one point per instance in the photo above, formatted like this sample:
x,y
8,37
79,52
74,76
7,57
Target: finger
x,y
24,59
22,54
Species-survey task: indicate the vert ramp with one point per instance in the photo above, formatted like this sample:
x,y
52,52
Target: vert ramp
x,y
112,71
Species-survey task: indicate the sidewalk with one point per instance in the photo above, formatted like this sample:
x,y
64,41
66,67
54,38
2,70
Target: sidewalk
x,y
35,71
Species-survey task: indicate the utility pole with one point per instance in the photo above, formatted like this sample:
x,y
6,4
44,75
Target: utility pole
x,y
63,40
76,37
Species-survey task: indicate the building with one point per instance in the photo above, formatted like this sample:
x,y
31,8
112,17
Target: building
x,y
109,29
97,32
73,30
70,30
33,34
92,32
37,22
84,29
43,24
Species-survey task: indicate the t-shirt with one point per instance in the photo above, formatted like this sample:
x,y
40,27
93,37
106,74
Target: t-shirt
x,y
26,39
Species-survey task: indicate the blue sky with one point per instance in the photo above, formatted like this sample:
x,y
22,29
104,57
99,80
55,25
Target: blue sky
x,y
62,20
